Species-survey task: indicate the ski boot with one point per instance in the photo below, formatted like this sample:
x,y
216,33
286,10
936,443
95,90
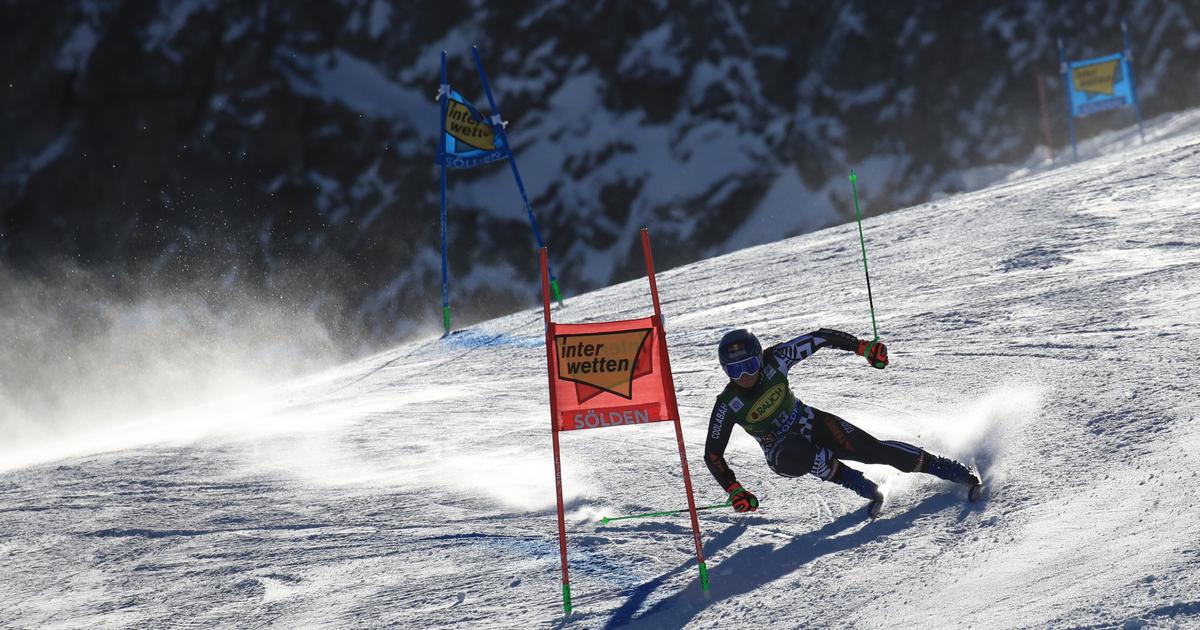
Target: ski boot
x,y
854,480
954,472
875,507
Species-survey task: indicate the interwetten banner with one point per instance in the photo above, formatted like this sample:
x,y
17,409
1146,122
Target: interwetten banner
x,y
1099,84
608,374
470,139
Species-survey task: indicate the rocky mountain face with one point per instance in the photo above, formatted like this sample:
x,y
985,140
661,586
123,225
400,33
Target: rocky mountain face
x,y
287,148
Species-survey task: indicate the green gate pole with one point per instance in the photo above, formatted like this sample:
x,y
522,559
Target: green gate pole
x,y
863,242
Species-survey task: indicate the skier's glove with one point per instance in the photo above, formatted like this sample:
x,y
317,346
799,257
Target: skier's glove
x,y
874,351
741,499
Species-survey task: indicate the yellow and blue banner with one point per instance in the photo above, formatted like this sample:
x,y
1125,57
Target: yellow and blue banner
x,y
1099,84
470,138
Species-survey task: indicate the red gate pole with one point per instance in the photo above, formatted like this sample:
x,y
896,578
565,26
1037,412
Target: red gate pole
x,y
562,524
669,391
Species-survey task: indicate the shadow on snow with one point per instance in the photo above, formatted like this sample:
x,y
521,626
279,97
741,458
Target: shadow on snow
x,y
759,565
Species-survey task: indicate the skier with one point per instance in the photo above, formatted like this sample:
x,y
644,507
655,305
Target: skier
x,y
798,439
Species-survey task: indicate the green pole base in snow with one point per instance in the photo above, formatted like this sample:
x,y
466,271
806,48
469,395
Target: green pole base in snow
x,y
606,520
557,292
566,598
703,577
446,320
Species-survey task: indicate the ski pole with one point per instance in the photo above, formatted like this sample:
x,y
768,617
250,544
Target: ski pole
x,y
606,519
863,242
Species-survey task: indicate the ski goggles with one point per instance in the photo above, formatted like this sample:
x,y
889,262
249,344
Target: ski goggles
x,y
738,369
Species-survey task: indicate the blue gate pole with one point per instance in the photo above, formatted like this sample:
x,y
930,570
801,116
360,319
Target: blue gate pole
x,y
1065,70
512,161
444,95
1137,107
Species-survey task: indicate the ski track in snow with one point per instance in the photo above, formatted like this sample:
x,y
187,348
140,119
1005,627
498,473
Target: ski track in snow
x,y
1042,329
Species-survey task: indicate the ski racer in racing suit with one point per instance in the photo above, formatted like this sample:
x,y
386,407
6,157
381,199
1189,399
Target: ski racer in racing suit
x,y
798,439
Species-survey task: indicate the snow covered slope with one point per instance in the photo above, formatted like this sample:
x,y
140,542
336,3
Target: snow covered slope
x,y
1042,329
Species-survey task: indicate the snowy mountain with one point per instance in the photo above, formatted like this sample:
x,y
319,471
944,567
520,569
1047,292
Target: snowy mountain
x,y
286,149
1042,329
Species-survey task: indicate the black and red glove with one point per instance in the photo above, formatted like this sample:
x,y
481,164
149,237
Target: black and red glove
x,y
874,351
741,499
